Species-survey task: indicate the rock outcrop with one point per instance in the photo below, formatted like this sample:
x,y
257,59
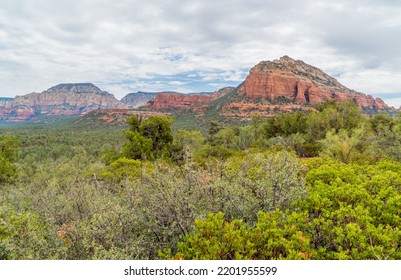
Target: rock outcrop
x,y
168,101
63,99
294,81
179,101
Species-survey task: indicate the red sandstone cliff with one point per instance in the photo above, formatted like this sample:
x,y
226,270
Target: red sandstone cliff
x,y
179,101
297,82
184,101
63,99
282,85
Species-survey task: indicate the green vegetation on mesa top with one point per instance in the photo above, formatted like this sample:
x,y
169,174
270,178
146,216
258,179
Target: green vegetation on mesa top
x,y
305,185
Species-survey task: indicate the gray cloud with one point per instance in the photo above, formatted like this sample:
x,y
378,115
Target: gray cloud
x,y
45,42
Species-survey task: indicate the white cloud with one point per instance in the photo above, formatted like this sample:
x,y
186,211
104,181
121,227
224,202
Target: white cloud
x,y
372,81
395,102
177,83
46,42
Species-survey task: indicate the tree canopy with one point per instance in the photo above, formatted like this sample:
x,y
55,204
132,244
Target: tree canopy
x,y
148,139
8,156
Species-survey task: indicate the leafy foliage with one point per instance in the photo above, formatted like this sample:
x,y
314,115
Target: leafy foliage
x,y
8,156
350,213
148,139
25,235
272,238
233,192
354,211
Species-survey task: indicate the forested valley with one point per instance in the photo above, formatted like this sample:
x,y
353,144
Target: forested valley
x,y
321,184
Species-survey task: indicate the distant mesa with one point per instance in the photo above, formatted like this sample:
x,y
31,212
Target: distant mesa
x,y
63,99
76,88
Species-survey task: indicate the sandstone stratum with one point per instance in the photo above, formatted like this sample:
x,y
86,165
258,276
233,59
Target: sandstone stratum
x,y
295,81
63,99
180,101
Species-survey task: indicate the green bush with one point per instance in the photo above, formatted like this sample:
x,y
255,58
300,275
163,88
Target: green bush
x,y
273,238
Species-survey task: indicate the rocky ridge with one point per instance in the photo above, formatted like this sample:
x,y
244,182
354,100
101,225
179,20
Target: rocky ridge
x,y
296,82
180,101
63,99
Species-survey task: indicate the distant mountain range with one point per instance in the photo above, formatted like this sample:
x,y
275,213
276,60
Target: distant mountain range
x,y
272,86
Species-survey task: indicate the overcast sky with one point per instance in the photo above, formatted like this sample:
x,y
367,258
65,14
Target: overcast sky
x,y
126,46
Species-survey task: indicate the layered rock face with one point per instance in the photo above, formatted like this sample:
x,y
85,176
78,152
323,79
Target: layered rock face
x,y
297,82
63,99
179,101
184,101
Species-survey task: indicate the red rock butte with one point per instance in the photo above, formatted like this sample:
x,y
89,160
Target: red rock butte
x,y
300,83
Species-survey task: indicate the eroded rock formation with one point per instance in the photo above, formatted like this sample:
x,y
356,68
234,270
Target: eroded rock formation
x,y
296,82
63,99
185,101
